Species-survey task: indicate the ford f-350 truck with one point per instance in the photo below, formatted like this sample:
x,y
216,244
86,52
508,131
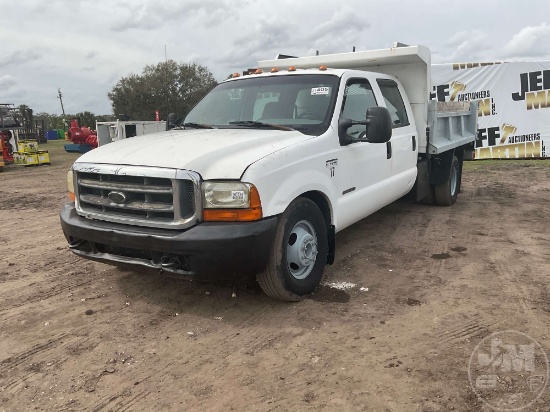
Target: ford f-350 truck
x,y
267,167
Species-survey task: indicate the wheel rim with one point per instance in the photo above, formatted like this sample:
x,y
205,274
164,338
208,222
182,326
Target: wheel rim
x,y
301,249
454,180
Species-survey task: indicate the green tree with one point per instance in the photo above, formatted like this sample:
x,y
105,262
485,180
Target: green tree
x,y
86,119
167,87
52,121
25,116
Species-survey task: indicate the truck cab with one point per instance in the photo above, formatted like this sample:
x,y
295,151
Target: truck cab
x,y
261,173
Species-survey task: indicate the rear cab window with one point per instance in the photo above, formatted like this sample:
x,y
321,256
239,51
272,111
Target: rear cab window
x,y
394,102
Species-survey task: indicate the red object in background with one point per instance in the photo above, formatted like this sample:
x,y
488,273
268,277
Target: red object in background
x,y
6,150
82,135
157,115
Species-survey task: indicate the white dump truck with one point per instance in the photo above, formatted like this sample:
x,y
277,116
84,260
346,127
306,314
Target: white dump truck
x,y
267,167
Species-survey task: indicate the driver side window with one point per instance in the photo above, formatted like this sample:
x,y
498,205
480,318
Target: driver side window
x,y
358,97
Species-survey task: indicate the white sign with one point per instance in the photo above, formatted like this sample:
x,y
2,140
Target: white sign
x,y
514,105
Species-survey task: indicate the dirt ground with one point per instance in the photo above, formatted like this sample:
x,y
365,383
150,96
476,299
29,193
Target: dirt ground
x,y
83,336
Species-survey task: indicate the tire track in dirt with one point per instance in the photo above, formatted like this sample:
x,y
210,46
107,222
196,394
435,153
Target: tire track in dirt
x,y
16,360
56,289
462,331
54,353
245,343
122,404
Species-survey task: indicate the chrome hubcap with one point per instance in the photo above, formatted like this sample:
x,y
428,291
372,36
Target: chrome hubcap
x,y
301,249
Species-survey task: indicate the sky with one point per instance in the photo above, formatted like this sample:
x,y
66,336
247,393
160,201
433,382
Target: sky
x,y
84,47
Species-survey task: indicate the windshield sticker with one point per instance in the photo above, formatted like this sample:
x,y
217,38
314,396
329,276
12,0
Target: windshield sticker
x,y
320,90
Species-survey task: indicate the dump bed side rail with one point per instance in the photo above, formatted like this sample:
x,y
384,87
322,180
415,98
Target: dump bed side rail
x,y
450,125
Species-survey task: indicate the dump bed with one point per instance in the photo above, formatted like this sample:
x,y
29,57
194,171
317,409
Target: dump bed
x,y
449,126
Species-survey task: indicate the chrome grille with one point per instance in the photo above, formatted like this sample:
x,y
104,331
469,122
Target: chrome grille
x,y
163,198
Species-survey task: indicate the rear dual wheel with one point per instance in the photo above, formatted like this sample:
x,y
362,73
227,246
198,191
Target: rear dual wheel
x,y
299,252
447,192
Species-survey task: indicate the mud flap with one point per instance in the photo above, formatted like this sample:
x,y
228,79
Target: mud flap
x,y
441,167
422,185
331,232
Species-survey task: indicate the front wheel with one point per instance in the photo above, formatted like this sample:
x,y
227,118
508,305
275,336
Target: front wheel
x,y
447,192
299,253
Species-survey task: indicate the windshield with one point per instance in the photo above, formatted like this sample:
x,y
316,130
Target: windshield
x,y
300,102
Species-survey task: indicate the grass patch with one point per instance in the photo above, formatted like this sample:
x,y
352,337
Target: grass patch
x,y
58,155
494,163
54,146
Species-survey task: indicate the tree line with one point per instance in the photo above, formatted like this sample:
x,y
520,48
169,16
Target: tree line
x,y
168,87
88,119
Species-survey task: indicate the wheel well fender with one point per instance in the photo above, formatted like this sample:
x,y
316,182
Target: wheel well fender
x,y
324,205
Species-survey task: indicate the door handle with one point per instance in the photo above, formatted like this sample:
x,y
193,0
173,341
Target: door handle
x,y
388,150
414,143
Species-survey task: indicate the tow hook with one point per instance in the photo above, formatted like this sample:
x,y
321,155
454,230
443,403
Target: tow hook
x,y
170,262
77,243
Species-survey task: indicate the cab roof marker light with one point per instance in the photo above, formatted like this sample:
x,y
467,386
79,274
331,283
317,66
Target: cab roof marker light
x,y
236,75
274,70
322,67
292,69
258,71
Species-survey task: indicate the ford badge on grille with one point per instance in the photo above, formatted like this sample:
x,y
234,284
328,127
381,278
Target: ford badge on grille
x,y
117,197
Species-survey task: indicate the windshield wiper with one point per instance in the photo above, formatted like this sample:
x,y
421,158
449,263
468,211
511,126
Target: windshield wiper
x,y
192,125
260,125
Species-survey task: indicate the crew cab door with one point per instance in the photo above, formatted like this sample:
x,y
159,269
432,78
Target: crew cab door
x,y
365,168
403,145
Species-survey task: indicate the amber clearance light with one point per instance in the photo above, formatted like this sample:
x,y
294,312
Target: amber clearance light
x,y
253,212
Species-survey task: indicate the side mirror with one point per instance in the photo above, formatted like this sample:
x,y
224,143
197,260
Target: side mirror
x,y
378,127
170,121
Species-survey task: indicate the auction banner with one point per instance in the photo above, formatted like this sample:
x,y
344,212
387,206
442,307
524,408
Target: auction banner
x,y
514,105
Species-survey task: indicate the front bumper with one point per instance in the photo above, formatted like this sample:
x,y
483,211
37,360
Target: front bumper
x,y
207,251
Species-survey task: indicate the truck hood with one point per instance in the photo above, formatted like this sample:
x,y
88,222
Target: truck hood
x,y
213,153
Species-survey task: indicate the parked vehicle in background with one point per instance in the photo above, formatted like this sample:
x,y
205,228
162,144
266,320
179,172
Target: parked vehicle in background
x,y
108,132
261,174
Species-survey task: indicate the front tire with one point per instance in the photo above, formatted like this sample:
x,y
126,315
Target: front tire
x,y
446,193
299,253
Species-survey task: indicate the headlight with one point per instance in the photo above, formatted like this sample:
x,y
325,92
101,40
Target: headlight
x,y
226,195
231,202
70,184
